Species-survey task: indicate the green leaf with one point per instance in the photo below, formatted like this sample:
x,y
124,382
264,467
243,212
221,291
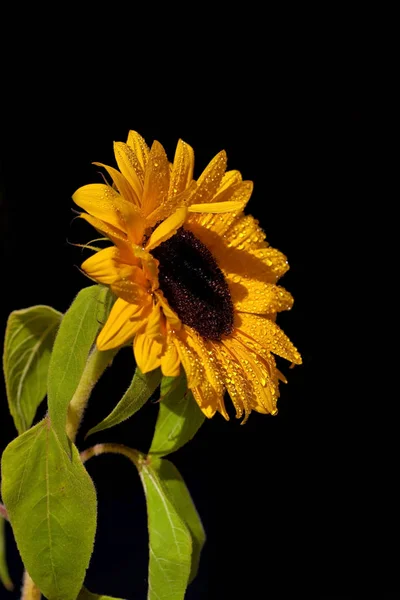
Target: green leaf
x,y
170,542
181,499
84,594
76,336
4,575
28,343
178,419
140,390
51,503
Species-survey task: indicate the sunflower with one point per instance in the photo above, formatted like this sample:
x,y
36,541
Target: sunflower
x,y
195,279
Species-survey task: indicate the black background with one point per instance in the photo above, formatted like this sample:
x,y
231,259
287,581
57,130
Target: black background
x,y
294,504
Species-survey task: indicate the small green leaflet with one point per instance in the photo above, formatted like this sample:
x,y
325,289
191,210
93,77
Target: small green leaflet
x,y
84,594
179,416
183,503
4,575
51,503
76,336
28,343
140,390
170,542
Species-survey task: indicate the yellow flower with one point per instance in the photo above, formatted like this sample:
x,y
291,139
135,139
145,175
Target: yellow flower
x,y
194,276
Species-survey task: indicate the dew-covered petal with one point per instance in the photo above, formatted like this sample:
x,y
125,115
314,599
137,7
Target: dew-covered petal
x,y
156,180
141,150
121,183
253,296
267,334
182,168
129,166
216,207
210,180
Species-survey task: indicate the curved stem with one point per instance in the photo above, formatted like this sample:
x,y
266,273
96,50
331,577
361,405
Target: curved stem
x,y
29,590
96,364
137,457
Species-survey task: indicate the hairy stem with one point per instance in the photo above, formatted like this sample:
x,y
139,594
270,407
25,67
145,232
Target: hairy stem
x,y
29,590
95,366
98,449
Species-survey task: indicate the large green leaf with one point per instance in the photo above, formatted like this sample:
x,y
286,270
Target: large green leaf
x,y
170,542
84,594
140,390
178,419
76,336
51,503
180,497
4,575
28,343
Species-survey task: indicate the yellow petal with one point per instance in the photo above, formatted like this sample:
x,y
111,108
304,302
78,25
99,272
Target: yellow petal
x,y
111,232
267,334
156,180
102,266
170,361
210,180
171,316
264,392
140,148
132,286
100,200
217,207
229,179
123,322
189,359
252,296
104,203
167,228
149,343
121,183
182,168
129,166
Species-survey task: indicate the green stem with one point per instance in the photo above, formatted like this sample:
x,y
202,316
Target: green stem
x,y
29,590
95,366
137,457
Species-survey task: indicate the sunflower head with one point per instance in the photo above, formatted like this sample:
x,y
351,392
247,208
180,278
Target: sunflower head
x,y
195,279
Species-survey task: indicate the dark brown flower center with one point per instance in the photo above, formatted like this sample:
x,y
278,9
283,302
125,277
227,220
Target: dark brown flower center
x,y
194,285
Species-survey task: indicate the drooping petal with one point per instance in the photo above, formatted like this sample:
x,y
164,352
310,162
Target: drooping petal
x,y
171,316
123,322
111,232
122,184
156,179
129,166
182,168
140,148
253,296
210,180
104,203
170,361
167,228
133,286
263,390
268,334
102,266
189,359
149,343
